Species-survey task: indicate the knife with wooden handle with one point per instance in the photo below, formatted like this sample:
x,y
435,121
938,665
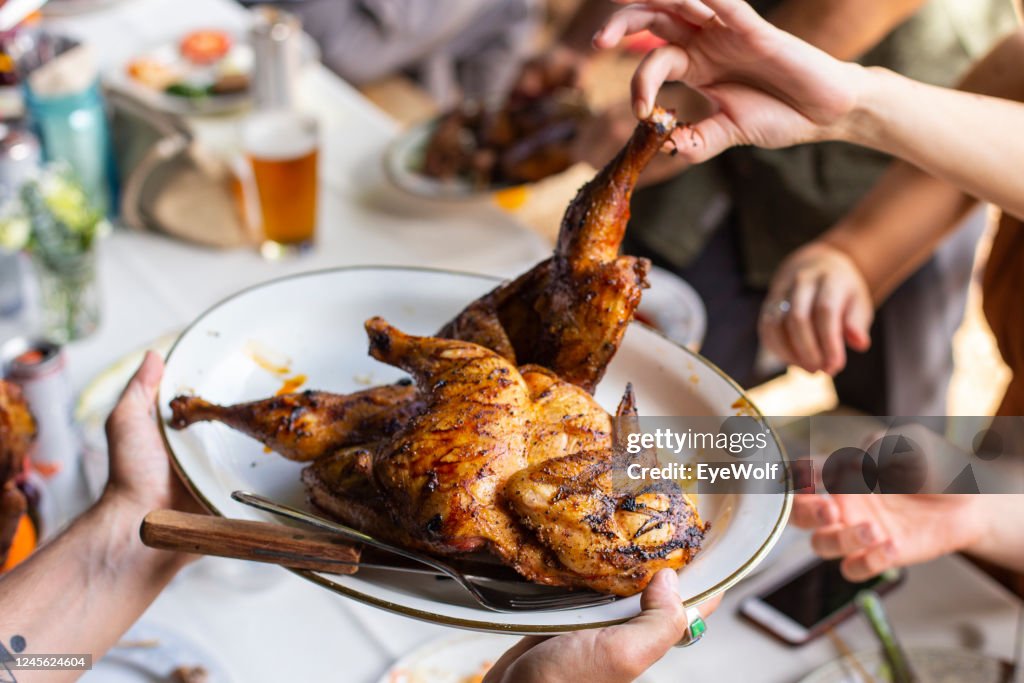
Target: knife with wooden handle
x,y
292,547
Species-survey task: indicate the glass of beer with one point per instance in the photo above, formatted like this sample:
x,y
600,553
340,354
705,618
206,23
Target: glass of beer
x,y
281,147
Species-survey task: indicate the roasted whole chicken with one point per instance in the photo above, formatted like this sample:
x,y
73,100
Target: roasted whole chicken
x,y
17,434
497,444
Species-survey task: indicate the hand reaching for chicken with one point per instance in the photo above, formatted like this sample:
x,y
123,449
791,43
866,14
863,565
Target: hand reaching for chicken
x,y
769,88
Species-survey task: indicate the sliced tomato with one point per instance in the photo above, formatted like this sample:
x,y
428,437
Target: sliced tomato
x,y
205,47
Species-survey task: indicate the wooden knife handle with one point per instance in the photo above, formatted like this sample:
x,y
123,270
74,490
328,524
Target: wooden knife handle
x,y
247,540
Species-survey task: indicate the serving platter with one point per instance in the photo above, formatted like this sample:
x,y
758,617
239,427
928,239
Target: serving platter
x,y
310,327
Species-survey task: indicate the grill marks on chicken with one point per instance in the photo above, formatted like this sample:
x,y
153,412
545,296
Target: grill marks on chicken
x,y
601,527
441,473
482,454
304,426
484,466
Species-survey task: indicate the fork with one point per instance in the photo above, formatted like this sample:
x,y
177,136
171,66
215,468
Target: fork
x,y
488,596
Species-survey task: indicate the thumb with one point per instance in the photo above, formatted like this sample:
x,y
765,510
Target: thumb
x,y
139,395
645,639
146,381
857,323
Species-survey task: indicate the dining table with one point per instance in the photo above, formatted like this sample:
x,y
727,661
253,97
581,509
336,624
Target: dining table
x,y
271,625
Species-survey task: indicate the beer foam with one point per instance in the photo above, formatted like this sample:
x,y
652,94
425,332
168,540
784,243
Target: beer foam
x,y
279,135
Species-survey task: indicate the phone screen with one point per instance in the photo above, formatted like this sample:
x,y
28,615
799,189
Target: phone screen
x,y
816,594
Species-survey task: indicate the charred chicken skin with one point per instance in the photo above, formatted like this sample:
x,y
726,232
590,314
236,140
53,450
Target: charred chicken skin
x,y
306,425
484,466
499,445
17,434
568,314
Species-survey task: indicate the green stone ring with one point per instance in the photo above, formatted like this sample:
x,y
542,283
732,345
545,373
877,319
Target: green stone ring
x,y
695,628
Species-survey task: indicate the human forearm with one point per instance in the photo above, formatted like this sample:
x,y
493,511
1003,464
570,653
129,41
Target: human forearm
x,y
844,29
974,143
897,226
80,592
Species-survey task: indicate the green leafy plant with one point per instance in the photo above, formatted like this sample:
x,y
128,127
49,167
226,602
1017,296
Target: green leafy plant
x,y
52,217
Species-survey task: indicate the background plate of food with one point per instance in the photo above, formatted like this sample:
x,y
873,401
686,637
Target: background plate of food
x,y
474,150
305,332
204,71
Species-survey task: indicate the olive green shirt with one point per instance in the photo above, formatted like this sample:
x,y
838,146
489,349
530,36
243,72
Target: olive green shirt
x,y
781,199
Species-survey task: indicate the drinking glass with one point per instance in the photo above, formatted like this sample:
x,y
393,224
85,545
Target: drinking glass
x,y
282,148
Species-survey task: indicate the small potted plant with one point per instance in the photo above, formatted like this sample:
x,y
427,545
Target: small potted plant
x,y
53,219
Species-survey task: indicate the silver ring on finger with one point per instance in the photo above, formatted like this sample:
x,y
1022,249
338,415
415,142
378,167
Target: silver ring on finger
x,y
776,311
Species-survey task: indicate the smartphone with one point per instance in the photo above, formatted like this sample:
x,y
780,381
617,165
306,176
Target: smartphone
x,y
806,603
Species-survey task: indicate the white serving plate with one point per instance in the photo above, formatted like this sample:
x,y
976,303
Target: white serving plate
x,y
313,324
675,308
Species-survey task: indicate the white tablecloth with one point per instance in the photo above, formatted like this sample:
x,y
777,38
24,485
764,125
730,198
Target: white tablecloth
x,y
295,631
